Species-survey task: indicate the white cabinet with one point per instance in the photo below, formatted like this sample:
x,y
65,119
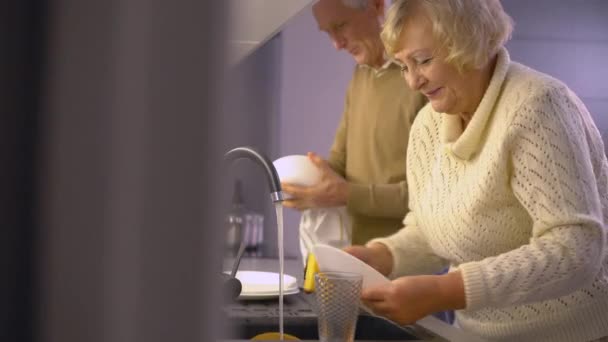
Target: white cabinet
x,y
253,22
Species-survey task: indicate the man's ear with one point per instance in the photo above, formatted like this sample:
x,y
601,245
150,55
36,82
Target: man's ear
x,y
376,7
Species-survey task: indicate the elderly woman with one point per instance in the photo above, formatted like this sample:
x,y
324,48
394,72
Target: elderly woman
x,y
508,186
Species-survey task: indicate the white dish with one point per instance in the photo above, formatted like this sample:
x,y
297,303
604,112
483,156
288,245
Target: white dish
x,y
297,169
331,259
262,283
258,296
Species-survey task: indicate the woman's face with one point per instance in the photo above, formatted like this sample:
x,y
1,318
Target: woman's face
x,y
425,70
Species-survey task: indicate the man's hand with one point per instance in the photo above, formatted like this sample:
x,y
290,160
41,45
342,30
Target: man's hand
x,y
330,191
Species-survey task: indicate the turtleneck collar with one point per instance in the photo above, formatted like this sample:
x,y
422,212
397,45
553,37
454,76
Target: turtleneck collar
x,y
464,144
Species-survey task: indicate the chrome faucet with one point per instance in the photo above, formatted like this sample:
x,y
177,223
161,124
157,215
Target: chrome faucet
x,y
276,195
232,286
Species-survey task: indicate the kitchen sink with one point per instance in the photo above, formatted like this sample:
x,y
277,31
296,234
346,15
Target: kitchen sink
x,y
368,328
246,319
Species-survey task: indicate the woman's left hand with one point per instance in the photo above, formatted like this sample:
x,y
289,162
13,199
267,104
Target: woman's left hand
x,y
408,299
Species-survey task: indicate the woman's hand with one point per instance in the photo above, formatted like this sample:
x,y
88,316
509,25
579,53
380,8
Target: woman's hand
x,y
330,191
376,255
408,299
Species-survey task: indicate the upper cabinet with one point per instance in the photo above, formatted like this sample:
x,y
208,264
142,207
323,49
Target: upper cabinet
x,y
253,22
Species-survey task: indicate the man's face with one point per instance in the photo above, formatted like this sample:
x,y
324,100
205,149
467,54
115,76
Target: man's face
x,y
355,30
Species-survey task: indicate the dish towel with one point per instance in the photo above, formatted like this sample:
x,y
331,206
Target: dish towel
x,y
329,226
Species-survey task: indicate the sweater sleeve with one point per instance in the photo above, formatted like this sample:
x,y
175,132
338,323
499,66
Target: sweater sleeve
x,y
386,200
552,142
337,153
374,200
378,200
411,251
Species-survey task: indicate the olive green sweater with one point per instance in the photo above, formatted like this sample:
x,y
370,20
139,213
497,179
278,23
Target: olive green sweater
x,y
370,146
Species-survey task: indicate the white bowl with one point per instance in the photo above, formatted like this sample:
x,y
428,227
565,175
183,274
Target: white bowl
x,y
297,169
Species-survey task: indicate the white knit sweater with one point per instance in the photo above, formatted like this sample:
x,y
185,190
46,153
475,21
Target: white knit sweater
x,y
518,202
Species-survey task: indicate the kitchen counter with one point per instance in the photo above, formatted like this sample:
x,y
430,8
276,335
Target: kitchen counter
x,y
430,327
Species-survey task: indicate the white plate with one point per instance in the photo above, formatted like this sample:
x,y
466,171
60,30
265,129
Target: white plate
x,y
331,259
264,283
270,295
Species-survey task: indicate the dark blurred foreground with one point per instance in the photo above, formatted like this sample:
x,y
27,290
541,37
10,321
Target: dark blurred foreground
x,y
109,159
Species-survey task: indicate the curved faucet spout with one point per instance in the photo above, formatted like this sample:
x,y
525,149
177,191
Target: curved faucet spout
x,y
276,194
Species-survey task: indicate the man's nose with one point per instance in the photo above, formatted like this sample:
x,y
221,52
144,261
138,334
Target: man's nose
x,y
339,42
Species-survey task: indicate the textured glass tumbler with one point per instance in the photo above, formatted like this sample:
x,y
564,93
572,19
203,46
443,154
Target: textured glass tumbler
x,y
338,297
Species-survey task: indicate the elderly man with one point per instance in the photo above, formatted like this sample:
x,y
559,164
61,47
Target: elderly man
x,y
365,170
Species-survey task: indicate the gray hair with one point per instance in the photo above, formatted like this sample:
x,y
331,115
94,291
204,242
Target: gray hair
x,y
362,4
356,4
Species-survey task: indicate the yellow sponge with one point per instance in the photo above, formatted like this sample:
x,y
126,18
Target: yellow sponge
x,y
311,269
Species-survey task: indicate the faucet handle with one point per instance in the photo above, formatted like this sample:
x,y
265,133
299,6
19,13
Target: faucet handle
x,y
231,287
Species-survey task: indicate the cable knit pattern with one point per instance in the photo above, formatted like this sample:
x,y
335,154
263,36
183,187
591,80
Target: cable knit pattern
x,y
518,202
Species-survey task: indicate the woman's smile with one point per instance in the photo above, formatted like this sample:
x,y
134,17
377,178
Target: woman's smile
x,y
433,93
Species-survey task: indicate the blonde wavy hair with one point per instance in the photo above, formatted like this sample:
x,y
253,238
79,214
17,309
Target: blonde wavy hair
x,y
471,31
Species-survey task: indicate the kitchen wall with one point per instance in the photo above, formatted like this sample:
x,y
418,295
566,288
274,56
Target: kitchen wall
x,y
250,113
313,83
567,39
